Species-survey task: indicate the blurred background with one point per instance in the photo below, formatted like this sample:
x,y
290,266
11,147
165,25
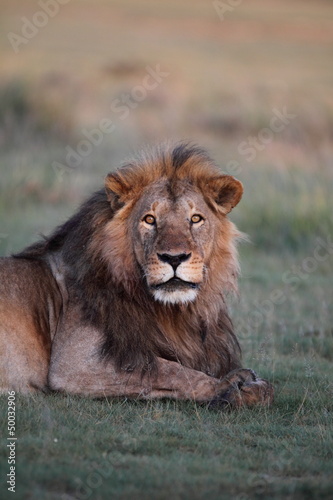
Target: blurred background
x,y
86,83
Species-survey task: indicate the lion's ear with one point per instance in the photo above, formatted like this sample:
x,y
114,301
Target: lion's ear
x,y
225,191
116,189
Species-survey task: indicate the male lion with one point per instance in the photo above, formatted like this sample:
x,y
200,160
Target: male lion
x,y
127,298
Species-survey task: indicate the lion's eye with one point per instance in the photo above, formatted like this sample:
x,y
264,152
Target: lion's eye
x,y
196,218
150,219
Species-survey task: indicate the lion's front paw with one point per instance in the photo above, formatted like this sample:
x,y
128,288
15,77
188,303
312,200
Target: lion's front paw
x,y
242,387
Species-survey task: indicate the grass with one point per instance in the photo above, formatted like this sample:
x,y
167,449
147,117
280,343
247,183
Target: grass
x,y
166,449
226,78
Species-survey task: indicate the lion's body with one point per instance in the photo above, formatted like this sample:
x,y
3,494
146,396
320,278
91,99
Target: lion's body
x,y
128,297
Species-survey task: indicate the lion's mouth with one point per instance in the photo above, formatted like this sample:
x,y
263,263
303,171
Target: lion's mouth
x,y
175,284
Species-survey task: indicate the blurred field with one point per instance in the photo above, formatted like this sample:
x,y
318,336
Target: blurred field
x,y
226,80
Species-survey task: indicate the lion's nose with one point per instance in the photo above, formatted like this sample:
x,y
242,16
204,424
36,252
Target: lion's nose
x,y
174,260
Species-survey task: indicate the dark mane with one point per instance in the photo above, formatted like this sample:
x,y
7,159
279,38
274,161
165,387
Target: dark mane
x,y
73,232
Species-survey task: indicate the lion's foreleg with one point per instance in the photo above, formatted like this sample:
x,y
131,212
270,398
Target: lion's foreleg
x,y
89,376
77,368
171,380
242,387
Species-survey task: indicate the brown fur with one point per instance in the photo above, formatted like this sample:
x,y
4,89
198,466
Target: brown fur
x,y
102,295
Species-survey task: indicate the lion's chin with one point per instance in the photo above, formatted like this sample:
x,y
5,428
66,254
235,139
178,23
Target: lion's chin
x,y
175,291
176,296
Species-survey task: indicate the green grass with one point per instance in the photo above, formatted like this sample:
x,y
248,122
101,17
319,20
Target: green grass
x,y
287,209
167,449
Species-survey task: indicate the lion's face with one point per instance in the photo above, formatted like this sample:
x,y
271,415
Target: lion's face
x,y
170,221
173,238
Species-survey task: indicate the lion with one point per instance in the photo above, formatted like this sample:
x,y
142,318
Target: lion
x,y
128,297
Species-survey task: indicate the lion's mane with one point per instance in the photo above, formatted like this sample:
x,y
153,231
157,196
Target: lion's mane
x,y
102,274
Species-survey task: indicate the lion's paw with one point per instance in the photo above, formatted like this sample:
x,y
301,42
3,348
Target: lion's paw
x,y
242,387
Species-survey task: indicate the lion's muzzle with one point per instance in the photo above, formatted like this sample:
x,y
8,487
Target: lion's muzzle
x,y
176,280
